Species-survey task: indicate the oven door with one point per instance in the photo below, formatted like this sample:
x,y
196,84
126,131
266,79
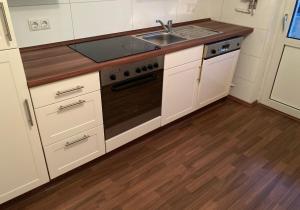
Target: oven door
x,y
130,103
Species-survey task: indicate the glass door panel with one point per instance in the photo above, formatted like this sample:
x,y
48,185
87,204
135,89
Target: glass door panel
x,y
294,30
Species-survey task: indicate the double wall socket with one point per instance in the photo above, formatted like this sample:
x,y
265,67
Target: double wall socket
x,y
39,24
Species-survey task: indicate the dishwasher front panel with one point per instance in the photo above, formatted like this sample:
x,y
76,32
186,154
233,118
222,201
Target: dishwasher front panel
x,y
216,78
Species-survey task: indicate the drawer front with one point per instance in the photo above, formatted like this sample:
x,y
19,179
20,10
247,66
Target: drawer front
x,y
66,89
183,57
67,118
75,151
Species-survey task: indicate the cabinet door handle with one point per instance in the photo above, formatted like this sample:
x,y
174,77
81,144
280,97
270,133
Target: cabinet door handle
x,y
77,88
62,108
29,116
8,33
68,144
200,74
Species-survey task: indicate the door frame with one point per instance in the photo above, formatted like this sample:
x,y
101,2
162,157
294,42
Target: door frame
x,y
281,40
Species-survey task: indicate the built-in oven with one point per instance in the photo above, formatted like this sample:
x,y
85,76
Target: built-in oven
x,y
131,95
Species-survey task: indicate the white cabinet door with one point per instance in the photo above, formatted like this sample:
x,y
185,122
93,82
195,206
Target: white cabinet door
x,y
22,163
216,77
7,35
180,91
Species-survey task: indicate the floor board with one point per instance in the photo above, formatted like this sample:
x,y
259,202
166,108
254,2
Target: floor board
x,y
229,156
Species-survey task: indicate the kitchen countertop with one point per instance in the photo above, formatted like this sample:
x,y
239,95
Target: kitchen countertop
x,y
54,62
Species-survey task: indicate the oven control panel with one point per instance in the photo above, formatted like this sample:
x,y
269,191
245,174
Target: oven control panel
x,y
115,74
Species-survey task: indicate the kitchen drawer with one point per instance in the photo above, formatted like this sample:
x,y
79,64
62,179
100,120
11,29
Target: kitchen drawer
x,y
65,89
67,118
75,151
183,57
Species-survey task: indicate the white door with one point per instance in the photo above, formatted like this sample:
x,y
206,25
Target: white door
x,y
282,84
22,163
180,91
216,78
7,35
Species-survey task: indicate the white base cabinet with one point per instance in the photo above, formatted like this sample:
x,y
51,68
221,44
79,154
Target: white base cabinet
x,y
181,80
180,91
22,163
69,115
216,77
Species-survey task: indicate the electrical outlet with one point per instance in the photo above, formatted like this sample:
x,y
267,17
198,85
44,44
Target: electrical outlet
x,y
34,25
39,24
45,24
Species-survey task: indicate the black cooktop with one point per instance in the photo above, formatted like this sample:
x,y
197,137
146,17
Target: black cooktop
x,y
113,48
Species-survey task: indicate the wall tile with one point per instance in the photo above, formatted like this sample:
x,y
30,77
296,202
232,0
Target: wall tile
x,y
60,21
197,9
146,12
247,67
103,17
254,43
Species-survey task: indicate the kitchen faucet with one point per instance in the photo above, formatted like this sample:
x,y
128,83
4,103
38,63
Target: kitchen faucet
x,y
168,28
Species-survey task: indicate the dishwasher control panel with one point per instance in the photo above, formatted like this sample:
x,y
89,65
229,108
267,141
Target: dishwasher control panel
x,y
222,47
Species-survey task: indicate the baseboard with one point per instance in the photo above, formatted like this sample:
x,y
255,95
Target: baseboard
x,y
279,112
241,101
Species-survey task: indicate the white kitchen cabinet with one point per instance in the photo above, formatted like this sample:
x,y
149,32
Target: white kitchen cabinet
x,y
7,36
64,119
69,116
216,77
75,151
180,91
22,163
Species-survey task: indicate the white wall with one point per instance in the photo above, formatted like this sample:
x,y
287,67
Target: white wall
x,y
256,47
73,19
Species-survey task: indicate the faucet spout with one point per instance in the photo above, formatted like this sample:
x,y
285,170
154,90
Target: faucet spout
x,y
167,28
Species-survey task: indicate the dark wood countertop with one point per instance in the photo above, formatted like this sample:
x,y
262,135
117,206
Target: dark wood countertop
x,y
54,62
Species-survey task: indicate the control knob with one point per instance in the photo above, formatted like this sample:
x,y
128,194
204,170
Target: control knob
x,y
138,70
144,68
213,51
113,77
150,66
155,65
126,73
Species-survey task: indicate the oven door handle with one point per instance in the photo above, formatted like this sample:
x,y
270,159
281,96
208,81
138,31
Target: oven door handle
x,y
134,82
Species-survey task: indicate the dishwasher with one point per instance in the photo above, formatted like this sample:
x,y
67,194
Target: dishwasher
x,y
218,68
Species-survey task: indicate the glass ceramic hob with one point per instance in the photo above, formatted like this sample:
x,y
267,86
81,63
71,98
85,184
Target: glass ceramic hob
x,y
113,48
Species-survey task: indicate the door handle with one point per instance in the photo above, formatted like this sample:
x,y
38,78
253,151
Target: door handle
x,y
29,116
285,22
8,33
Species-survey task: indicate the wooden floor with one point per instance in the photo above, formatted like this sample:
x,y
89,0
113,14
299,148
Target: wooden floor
x,y
228,157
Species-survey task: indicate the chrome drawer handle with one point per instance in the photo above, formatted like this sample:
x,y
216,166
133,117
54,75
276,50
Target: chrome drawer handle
x,y
68,144
77,88
62,108
8,33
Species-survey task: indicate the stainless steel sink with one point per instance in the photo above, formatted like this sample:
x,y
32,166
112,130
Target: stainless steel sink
x,y
179,34
161,38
